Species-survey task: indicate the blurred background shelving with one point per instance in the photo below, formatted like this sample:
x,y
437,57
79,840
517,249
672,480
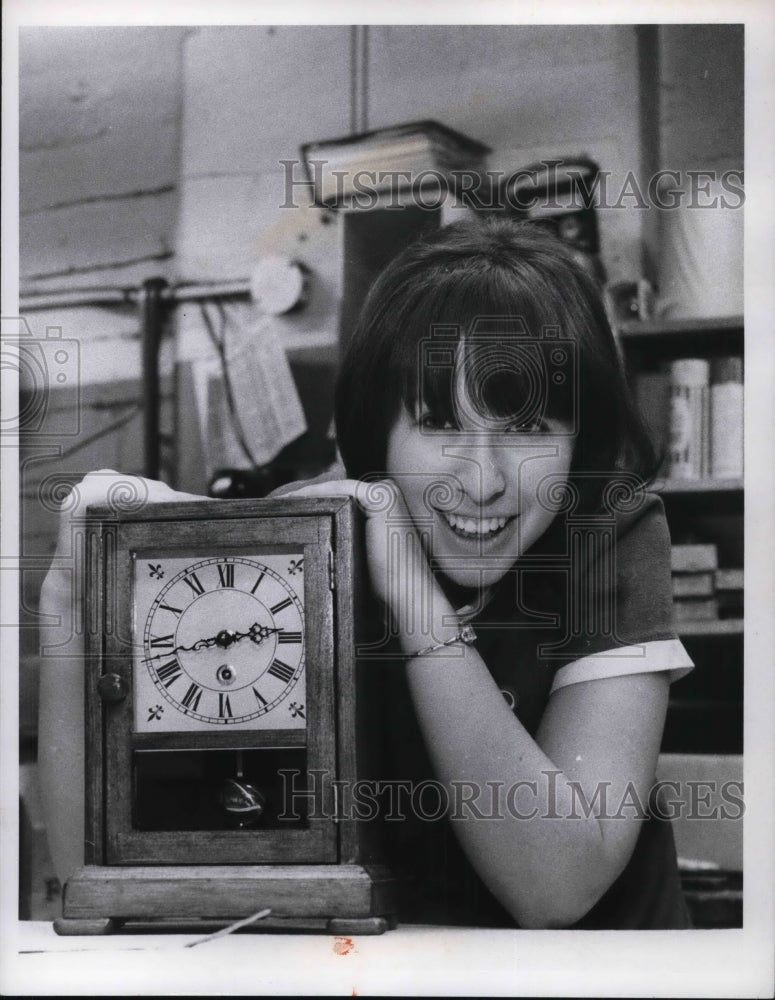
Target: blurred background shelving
x,y
705,714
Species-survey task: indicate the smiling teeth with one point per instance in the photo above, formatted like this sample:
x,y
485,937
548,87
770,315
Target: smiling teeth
x,y
475,527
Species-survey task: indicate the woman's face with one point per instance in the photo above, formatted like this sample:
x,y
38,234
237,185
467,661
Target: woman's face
x,y
473,492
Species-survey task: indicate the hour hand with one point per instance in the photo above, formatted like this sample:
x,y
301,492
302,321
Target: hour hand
x,y
257,633
227,637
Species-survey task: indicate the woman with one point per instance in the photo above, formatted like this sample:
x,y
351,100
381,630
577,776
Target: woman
x,y
485,427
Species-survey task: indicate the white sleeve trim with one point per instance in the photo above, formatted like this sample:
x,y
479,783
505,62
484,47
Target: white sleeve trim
x,y
647,657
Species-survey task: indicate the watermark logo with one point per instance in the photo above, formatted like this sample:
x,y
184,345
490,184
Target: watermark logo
x,y
42,363
551,798
553,186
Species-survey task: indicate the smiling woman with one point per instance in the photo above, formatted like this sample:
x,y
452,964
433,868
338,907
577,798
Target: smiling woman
x,y
522,577
487,430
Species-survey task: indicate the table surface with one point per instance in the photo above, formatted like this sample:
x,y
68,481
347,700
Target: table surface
x,y
412,960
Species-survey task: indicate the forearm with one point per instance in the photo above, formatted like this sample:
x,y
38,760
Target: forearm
x,y
544,869
61,730
61,725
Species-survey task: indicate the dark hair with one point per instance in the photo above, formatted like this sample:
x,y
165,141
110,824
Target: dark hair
x,y
511,292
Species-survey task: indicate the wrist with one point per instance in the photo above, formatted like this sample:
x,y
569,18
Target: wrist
x,y
432,621
463,636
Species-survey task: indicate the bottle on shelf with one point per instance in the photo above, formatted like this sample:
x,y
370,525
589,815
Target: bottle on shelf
x,y
689,452
726,418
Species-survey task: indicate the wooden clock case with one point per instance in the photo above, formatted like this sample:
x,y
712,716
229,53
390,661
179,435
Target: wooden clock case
x,y
328,874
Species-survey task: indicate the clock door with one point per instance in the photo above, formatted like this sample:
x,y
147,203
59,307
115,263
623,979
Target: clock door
x,y
220,632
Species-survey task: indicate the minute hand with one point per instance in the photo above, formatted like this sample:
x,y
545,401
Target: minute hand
x,y
225,638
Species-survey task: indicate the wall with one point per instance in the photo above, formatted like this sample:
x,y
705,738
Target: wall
x,y
99,164
99,125
254,96
525,91
692,108
701,96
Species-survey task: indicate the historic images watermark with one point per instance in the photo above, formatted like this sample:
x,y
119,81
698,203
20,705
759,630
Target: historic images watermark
x,y
430,800
547,187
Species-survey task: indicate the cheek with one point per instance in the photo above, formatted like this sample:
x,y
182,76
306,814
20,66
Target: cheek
x,y
409,453
545,477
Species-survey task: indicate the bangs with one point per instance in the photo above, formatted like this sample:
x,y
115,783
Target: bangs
x,y
499,317
476,351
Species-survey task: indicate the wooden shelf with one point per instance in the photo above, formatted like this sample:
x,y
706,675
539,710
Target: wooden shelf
x,y
677,327
707,715
670,486
664,340
719,626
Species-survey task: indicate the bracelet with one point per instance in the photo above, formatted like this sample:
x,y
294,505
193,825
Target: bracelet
x,y
466,635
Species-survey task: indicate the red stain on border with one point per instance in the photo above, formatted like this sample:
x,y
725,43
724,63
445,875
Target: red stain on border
x,y
343,945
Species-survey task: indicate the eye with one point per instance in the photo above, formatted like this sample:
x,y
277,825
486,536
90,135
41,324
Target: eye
x,y
429,422
533,425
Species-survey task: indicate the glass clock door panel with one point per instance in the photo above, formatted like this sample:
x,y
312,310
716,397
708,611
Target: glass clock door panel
x,y
221,790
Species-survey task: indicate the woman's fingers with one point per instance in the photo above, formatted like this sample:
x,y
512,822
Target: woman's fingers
x,y
122,492
389,529
376,496
334,488
118,490
104,487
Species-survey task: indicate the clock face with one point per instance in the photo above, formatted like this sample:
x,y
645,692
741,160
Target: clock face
x,y
218,642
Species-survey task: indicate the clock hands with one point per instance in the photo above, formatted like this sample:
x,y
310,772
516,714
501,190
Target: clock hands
x,y
225,638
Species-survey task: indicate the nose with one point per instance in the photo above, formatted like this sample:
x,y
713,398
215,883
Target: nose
x,y
481,473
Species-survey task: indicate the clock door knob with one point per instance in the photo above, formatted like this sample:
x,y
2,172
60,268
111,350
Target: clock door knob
x,y
112,688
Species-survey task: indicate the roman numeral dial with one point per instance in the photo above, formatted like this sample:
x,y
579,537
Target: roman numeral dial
x,y
222,642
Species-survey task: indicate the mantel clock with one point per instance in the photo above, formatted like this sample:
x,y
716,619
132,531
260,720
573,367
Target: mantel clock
x,y
224,712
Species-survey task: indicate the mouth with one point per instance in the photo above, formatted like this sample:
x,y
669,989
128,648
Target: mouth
x,y
475,527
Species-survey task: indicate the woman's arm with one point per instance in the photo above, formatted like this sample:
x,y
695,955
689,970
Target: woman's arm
x,y
598,743
549,869
61,712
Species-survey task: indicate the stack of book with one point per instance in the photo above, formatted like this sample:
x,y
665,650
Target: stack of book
x,y
701,590
354,170
695,407
729,592
693,576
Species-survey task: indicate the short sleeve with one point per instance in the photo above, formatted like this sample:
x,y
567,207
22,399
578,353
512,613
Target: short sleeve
x,y
661,655
625,587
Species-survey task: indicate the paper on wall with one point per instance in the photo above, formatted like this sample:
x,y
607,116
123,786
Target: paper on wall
x,y
223,446
266,403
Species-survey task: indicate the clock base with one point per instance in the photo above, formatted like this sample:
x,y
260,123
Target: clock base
x,y
343,899
65,927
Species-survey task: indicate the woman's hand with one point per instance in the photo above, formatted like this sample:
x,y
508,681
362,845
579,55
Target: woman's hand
x,y
108,488
61,713
399,570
